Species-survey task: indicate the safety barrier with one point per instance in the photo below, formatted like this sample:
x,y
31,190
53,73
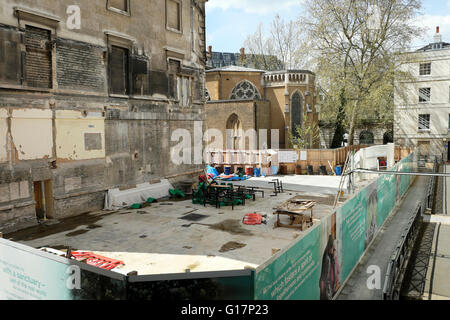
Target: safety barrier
x,y
400,257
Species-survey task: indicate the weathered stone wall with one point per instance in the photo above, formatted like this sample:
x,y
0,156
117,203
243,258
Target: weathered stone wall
x,y
72,135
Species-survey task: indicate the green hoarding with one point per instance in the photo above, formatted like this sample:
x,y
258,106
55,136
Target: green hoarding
x,y
317,264
26,274
293,275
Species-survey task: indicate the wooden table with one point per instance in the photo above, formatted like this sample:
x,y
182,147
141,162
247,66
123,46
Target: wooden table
x,y
295,209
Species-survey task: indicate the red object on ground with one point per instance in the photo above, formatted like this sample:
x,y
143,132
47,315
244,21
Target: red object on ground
x,y
97,260
203,178
253,218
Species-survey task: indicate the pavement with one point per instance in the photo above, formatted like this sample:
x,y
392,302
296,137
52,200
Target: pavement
x,y
437,285
383,246
447,191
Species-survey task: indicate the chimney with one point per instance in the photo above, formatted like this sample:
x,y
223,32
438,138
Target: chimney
x,y
437,37
210,50
242,57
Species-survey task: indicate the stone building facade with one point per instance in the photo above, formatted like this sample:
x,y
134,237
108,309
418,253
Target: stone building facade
x,y
245,98
366,133
90,94
422,115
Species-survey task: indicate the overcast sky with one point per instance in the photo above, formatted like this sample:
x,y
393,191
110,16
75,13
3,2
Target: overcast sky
x,y
229,22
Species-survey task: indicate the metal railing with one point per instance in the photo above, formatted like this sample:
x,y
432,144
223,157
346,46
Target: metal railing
x,y
400,257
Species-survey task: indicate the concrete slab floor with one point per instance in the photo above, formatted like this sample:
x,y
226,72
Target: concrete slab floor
x,y
160,239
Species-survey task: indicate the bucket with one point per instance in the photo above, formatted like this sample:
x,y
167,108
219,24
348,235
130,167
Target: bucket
x,y
249,171
227,171
257,172
338,170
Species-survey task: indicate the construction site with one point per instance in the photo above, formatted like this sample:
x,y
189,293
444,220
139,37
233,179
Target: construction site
x,y
222,231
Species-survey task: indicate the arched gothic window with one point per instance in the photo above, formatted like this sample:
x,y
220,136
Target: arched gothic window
x,y
297,111
234,125
245,90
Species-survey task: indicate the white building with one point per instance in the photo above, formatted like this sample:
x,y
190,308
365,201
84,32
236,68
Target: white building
x,y
422,114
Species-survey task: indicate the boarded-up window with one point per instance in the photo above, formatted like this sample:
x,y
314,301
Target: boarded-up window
x,y
184,90
173,70
38,57
118,4
180,84
140,75
174,14
10,57
118,70
92,141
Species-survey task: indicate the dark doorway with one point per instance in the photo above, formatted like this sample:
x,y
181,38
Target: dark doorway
x,y
43,196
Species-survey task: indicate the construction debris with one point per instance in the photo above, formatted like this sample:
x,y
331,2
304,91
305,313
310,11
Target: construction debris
x,y
295,208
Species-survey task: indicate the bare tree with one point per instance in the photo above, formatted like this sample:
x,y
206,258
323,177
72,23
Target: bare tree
x,y
357,47
280,49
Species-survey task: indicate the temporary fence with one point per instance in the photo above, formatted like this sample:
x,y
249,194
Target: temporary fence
x,y
289,161
316,265
313,267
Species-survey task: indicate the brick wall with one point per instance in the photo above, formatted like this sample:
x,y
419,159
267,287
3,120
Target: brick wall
x,y
79,66
38,68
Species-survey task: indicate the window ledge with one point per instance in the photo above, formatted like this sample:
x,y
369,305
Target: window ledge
x,y
174,30
25,88
115,10
122,96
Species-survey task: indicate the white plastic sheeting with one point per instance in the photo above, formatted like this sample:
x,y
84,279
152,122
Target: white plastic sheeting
x,y
117,199
367,158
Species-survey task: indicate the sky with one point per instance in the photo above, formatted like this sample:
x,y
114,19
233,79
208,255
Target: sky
x,y
229,22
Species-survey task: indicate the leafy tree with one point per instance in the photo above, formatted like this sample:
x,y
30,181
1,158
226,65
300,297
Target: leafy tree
x,y
304,136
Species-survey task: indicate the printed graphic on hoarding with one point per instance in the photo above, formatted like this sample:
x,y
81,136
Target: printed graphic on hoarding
x,y
329,282
295,274
28,276
353,214
386,197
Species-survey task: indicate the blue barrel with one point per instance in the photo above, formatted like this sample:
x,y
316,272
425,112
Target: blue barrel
x,y
274,170
257,172
338,170
227,171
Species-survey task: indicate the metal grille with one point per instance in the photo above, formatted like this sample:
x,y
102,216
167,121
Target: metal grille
x,y
424,94
424,121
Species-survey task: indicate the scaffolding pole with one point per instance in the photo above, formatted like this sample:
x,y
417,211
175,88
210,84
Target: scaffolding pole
x,y
428,174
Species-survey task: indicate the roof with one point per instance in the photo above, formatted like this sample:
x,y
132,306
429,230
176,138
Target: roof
x,y
236,69
435,46
223,59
